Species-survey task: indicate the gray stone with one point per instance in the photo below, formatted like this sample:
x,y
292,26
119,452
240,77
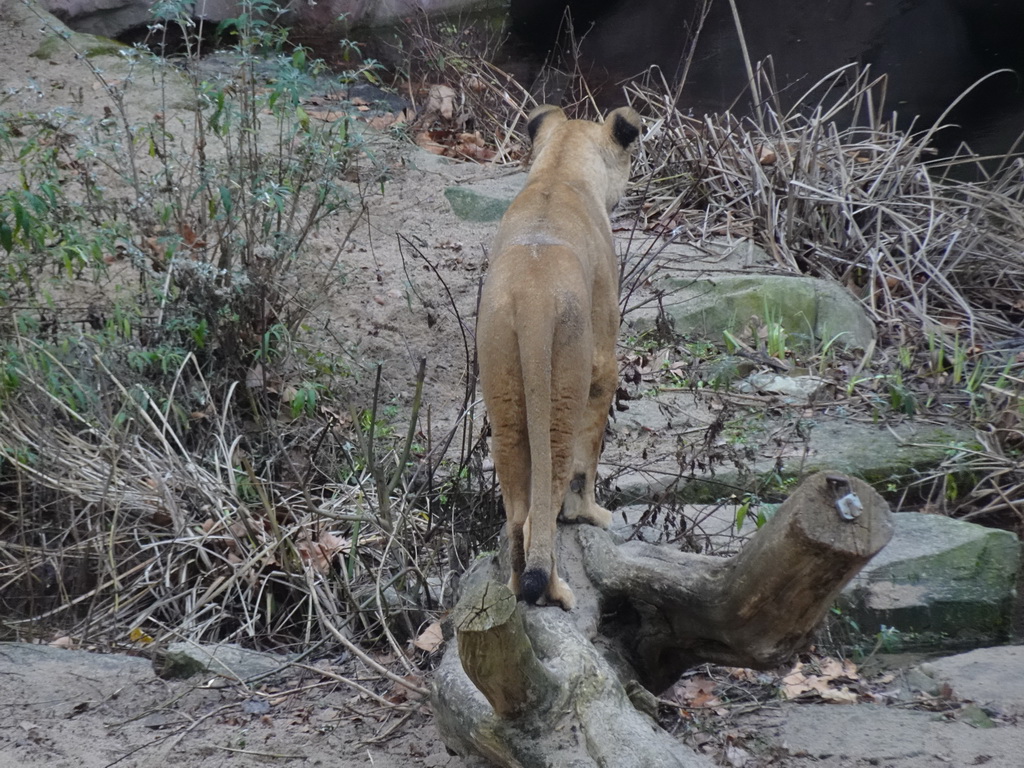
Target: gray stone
x,y
992,677
939,582
181,660
485,200
16,655
845,736
645,444
704,299
708,528
794,389
113,17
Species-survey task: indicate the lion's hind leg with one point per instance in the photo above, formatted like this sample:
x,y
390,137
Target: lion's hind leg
x,y
572,354
580,503
501,380
511,448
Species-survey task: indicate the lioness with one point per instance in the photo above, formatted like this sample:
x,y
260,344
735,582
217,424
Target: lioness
x,y
549,316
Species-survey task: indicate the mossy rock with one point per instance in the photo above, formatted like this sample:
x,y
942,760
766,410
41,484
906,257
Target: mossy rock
x,y
64,40
50,47
889,457
940,583
485,200
813,313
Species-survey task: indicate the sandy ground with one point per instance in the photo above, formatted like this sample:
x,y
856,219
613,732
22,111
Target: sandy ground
x,y
76,709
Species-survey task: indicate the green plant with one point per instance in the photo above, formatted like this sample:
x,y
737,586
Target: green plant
x,y
888,639
761,515
305,398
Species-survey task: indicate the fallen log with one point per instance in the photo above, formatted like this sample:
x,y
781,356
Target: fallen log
x,y
576,688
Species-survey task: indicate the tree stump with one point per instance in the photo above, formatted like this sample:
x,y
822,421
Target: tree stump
x,y
497,655
557,695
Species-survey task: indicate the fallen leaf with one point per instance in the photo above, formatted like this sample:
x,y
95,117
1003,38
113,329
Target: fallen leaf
x,y
695,692
320,554
737,757
426,140
441,102
431,638
766,155
381,122
840,695
138,635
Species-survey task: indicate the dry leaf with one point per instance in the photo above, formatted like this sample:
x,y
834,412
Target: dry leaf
x,y
825,685
695,692
381,122
441,102
766,155
320,554
192,240
839,695
431,638
138,635
427,140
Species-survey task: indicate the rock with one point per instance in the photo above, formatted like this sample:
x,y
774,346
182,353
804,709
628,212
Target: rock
x,y
869,734
940,582
106,18
484,200
989,676
977,733
114,17
182,660
887,457
704,298
794,389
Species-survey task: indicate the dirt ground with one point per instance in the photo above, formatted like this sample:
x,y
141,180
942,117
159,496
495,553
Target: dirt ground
x,y
399,300
76,709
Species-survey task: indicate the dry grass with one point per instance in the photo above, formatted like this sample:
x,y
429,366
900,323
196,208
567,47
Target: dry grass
x,y
867,205
114,530
938,260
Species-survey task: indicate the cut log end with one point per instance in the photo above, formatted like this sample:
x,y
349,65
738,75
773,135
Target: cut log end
x,y
496,653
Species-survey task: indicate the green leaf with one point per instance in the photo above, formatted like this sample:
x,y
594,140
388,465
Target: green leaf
x,y
741,514
225,200
298,403
6,236
22,219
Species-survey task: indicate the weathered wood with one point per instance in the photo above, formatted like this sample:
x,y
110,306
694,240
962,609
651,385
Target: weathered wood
x,y
590,721
656,612
671,610
497,655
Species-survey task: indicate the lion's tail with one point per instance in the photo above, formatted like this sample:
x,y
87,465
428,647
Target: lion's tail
x,y
551,414
536,343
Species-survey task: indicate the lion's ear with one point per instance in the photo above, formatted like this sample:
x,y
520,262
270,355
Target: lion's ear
x,y
624,126
544,117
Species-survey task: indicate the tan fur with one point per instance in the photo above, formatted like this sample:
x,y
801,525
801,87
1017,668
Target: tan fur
x,y
549,317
